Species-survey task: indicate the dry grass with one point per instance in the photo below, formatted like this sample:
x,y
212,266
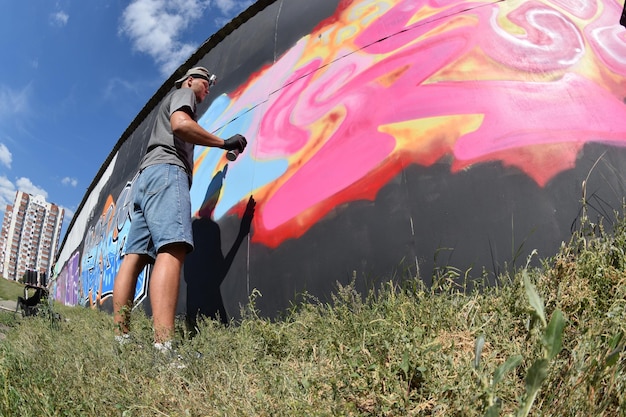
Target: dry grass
x,y
402,350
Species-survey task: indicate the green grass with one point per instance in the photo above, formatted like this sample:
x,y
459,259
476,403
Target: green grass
x,y
545,341
10,290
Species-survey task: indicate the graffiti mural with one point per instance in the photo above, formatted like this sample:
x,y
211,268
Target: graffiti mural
x,y
67,282
474,82
385,138
87,280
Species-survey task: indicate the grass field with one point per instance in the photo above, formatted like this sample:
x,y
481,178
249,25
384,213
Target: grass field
x,y
10,290
545,341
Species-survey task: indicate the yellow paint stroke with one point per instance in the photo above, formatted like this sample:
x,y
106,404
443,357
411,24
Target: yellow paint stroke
x,y
427,140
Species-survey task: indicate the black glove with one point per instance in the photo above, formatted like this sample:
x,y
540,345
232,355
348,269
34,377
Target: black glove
x,y
236,142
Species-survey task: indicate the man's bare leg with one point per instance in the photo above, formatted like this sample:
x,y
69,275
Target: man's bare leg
x,y
124,290
164,285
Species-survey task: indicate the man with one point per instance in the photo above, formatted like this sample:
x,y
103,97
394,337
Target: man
x,y
160,231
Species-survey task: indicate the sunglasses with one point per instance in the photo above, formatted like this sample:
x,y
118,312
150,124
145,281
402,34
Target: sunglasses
x,y
212,79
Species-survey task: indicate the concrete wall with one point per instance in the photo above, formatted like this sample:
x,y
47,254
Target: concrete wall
x,y
387,139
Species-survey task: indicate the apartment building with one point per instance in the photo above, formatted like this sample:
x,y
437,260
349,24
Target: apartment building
x,y
30,235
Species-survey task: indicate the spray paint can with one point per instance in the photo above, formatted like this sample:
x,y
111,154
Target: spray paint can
x,y
232,154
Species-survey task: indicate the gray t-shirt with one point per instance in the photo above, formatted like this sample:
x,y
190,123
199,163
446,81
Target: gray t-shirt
x,y
163,146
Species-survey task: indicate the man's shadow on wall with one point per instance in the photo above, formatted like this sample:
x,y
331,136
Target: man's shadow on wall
x,y
206,267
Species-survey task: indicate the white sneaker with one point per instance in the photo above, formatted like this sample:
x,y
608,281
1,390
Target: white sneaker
x,y
122,339
174,358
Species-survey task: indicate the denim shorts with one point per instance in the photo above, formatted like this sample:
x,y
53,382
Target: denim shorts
x,y
161,210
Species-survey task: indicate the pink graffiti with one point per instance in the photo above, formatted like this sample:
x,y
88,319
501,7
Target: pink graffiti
x,y
533,83
356,108
286,135
521,116
608,42
583,9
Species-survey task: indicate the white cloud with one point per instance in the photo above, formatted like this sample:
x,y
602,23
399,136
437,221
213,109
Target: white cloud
x,y
67,216
59,19
5,155
7,192
69,181
116,84
25,185
230,7
225,6
14,102
155,27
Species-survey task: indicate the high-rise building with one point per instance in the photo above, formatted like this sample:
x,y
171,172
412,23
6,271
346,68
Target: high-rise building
x,y
31,230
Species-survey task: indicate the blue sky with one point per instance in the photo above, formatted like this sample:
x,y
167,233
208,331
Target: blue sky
x,y
75,73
